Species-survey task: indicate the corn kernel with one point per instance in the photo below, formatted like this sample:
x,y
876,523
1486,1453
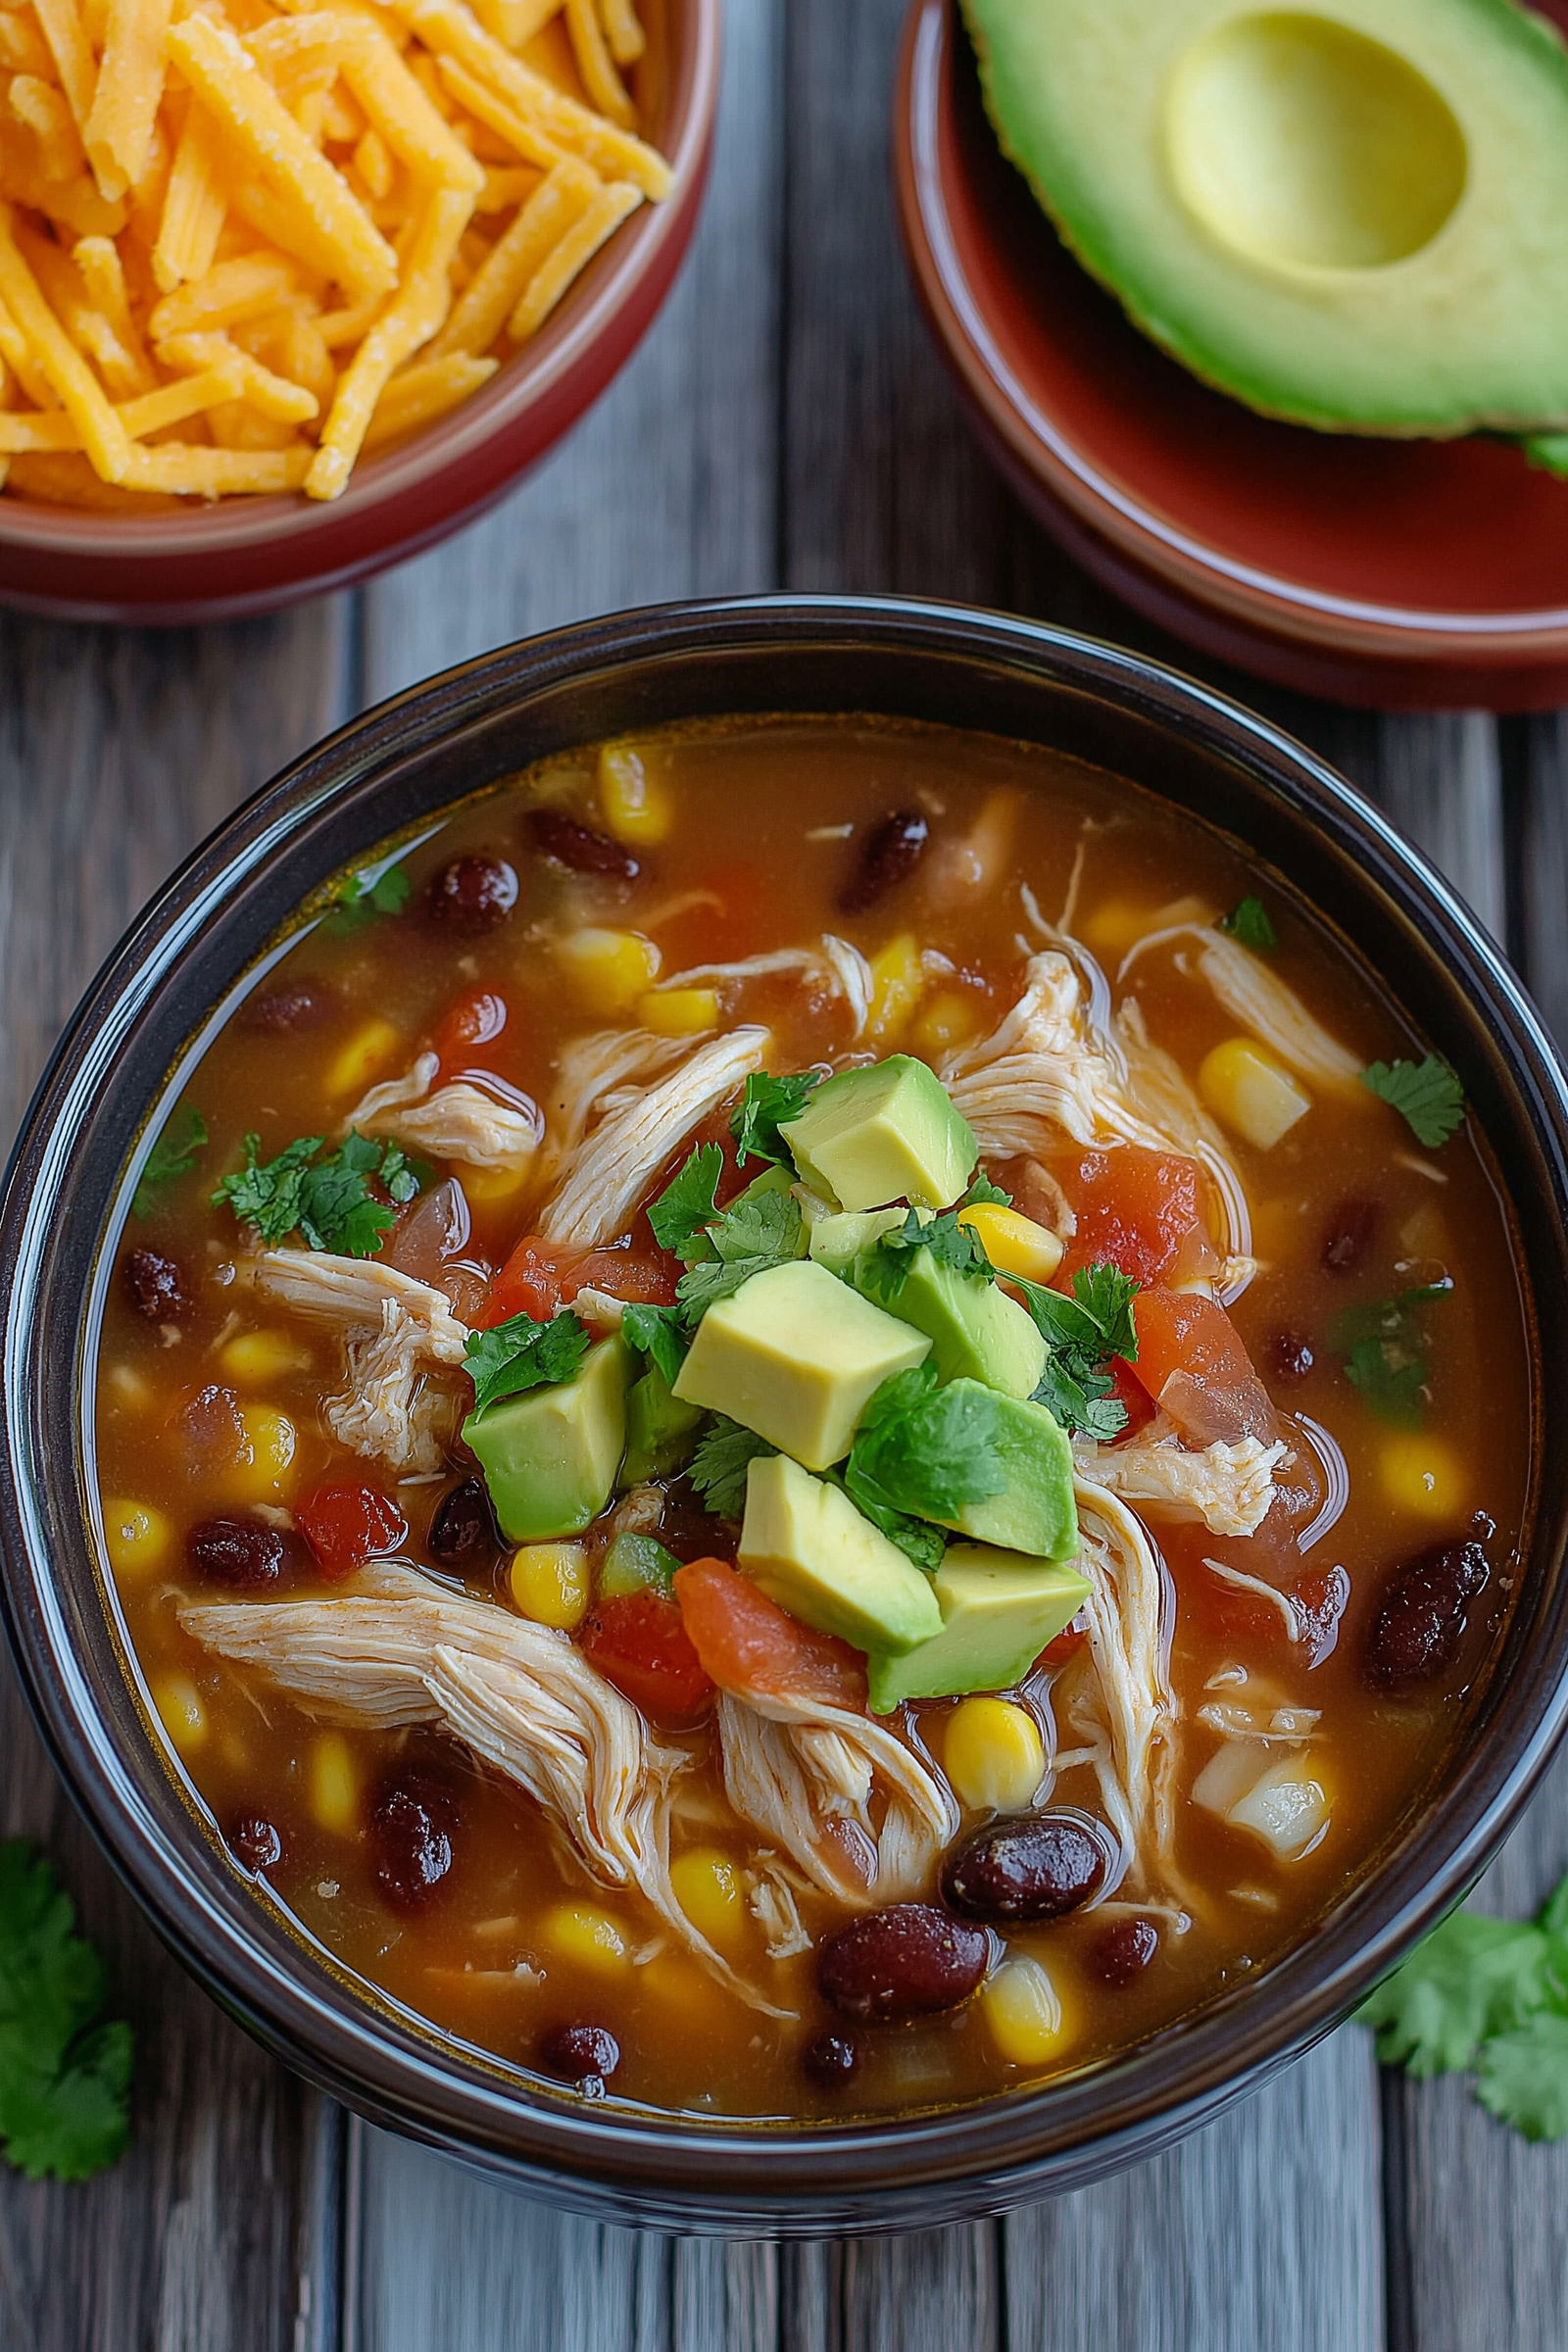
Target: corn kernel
x,y
635,808
483,1185
354,1065
993,1754
136,1536
680,1012
707,1888
1287,1806
587,1938
335,1785
1245,1086
608,969
1424,1476
898,983
181,1711
949,1021
677,1982
1014,1243
550,1582
1023,2010
1115,925
271,1443
256,1357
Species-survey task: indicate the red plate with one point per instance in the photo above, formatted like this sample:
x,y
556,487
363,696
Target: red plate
x,y
1399,574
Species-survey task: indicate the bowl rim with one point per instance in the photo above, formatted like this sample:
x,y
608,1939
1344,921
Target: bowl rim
x,y
638,2166
240,526
1037,443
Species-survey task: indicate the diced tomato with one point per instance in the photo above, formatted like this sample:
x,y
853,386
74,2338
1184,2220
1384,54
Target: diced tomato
x,y
1135,1210
1132,1397
540,1277
475,1019
345,1524
1183,1336
750,1644
639,1642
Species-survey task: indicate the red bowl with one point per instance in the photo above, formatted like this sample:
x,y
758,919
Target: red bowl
x,y
1408,574
251,555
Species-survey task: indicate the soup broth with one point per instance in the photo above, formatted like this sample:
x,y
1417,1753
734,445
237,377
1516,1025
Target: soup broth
x,y
590,1795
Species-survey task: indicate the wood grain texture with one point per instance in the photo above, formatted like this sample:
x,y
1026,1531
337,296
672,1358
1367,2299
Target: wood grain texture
x,y
117,753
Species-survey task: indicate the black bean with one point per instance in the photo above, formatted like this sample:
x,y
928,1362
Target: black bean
x,y
1347,1235
1036,1866
907,1961
411,1821
472,894
157,1286
300,1005
561,837
1421,1618
889,856
463,1532
831,2060
1121,1955
1289,1356
583,2054
244,1555
257,1842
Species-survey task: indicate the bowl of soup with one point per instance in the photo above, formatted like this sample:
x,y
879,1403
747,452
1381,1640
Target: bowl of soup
x,y
772,1420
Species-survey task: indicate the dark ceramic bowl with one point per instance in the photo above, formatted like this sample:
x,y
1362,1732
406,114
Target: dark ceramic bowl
x,y
253,555
67,1193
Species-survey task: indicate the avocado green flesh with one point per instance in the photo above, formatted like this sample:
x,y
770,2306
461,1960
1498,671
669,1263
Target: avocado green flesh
x,y
976,1331
660,1431
882,1134
1036,1510
550,1455
808,1548
999,1612
1356,221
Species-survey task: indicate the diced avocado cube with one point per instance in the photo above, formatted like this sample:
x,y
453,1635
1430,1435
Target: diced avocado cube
x,y
1035,1512
887,1133
976,1331
660,1431
837,1242
809,1549
633,1563
999,1612
550,1456
797,1357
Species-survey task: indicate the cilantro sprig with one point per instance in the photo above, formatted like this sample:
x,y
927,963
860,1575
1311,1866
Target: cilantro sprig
x,y
1248,923
1427,1095
687,1205
923,1451
1084,1332
983,1194
956,1247
521,1355
1488,1996
329,1199
173,1156
65,2078
766,1103
365,897
660,1334
718,1469
1385,1351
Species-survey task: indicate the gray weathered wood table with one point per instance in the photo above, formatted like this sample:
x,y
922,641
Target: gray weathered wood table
x,y
787,424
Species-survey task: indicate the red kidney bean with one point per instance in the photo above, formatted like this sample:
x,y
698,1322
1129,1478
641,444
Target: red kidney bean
x,y
242,1555
831,2060
1421,1618
889,856
1289,1356
907,1961
587,2055
463,1532
411,1821
1121,1955
1037,1866
157,1286
211,1429
299,1005
256,1842
1348,1236
472,894
561,837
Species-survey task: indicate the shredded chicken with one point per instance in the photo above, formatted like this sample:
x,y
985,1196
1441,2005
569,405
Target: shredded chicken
x,y
805,1773
399,1337
604,1177
853,976
772,1904
1125,1712
1260,1001
465,1122
1228,1487
393,1650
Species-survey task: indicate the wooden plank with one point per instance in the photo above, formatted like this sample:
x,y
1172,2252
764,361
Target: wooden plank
x,y
118,751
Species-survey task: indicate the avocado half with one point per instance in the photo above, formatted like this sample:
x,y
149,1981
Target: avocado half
x,y
1353,217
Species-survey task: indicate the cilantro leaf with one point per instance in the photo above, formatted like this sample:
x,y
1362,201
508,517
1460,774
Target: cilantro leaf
x,y
917,1539
173,1156
1084,1332
658,1333
1386,1354
329,1201
521,1355
982,1192
1248,923
364,896
1522,2077
269,1196
686,1205
926,1451
1472,1977
951,1244
753,1235
63,2080
718,1469
766,1103
1427,1095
